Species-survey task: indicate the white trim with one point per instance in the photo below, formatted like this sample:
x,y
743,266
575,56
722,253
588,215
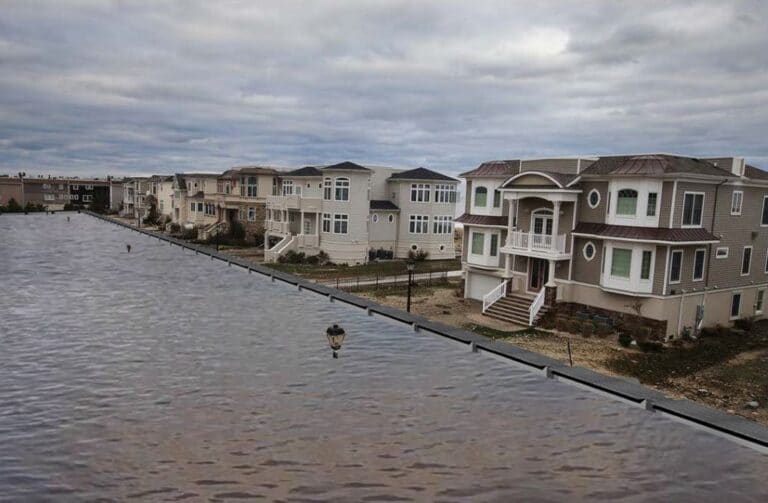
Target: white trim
x,y
717,252
757,293
766,262
672,205
749,265
703,264
589,198
741,202
682,216
680,272
653,241
584,251
539,173
687,293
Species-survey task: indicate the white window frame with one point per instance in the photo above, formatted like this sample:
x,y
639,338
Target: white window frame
x,y
584,251
49,197
391,218
420,192
251,214
472,240
703,264
375,218
327,224
731,316
637,202
74,187
762,212
442,224
589,198
248,189
683,225
418,224
327,189
670,281
87,198
749,264
343,184
87,187
766,262
474,196
655,205
287,188
719,249
737,211
445,193
762,303
341,219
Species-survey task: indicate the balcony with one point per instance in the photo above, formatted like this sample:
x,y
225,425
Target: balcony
x,y
277,227
536,245
294,202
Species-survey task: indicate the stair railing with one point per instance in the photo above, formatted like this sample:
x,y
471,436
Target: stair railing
x,y
494,295
536,305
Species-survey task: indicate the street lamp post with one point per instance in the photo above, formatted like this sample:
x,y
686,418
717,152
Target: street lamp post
x,y
410,266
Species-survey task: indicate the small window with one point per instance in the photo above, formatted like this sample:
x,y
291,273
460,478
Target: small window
x,y
722,252
621,263
746,261
375,218
693,207
626,203
494,245
478,242
589,251
698,264
414,247
764,219
766,263
327,189
594,198
481,197
737,200
759,301
735,305
645,266
652,200
675,266
326,222
496,199
391,218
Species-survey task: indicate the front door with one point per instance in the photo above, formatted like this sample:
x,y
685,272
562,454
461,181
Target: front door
x,y
538,274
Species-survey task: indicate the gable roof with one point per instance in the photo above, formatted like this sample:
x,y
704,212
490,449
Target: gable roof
x,y
421,174
305,171
494,169
653,165
346,166
383,205
755,173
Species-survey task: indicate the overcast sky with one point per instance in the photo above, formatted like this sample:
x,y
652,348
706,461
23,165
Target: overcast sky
x,y
98,87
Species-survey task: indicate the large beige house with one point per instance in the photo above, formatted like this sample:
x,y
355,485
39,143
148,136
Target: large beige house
x,y
353,212
212,202
684,241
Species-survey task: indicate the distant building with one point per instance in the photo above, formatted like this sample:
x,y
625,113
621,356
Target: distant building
x,y
352,212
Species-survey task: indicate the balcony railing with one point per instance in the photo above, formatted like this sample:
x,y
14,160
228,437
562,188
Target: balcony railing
x,y
530,241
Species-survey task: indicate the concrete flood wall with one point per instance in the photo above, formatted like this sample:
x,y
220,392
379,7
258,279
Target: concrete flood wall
x,y
736,428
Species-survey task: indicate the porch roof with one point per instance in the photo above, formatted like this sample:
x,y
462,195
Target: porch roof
x,y
468,219
660,235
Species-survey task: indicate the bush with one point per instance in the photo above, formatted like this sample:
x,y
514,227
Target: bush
x,y
722,330
313,260
587,329
625,339
294,257
602,329
746,324
380,254
323,258
650,346
561,323
418,255
236,232
189,233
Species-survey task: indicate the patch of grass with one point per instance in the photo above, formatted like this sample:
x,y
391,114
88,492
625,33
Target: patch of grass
x,y
492,333
402,290
371,269
659,368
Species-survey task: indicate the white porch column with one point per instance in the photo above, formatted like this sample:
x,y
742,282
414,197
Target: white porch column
x,y
507,265
301,229
551,280
511,220
317,227
555,225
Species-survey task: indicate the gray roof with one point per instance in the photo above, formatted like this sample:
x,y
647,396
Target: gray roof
x,y
421,174
346,166
561,179
755,173
383,205
305,171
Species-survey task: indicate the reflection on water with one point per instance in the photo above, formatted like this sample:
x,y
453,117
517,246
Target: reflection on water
x,y
164,376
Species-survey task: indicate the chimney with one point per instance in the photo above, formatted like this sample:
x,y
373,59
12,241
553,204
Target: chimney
x,y
737,166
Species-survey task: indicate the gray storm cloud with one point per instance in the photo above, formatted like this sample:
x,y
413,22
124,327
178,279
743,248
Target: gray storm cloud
x,y
96,87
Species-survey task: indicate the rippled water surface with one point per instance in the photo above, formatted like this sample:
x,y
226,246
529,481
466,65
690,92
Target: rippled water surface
x,y
160,375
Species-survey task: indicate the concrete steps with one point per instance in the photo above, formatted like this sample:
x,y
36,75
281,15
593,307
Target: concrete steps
x,y
513,309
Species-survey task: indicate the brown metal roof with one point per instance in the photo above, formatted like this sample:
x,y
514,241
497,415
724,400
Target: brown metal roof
x,y
665,234
653,165
468,219
561,179
494,169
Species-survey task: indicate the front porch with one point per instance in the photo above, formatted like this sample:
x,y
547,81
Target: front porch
x,y
291,230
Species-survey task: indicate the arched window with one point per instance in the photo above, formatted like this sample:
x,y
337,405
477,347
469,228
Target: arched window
x,y
481,197
626,203
342,189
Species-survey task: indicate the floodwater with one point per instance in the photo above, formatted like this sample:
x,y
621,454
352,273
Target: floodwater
x,y
159,375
